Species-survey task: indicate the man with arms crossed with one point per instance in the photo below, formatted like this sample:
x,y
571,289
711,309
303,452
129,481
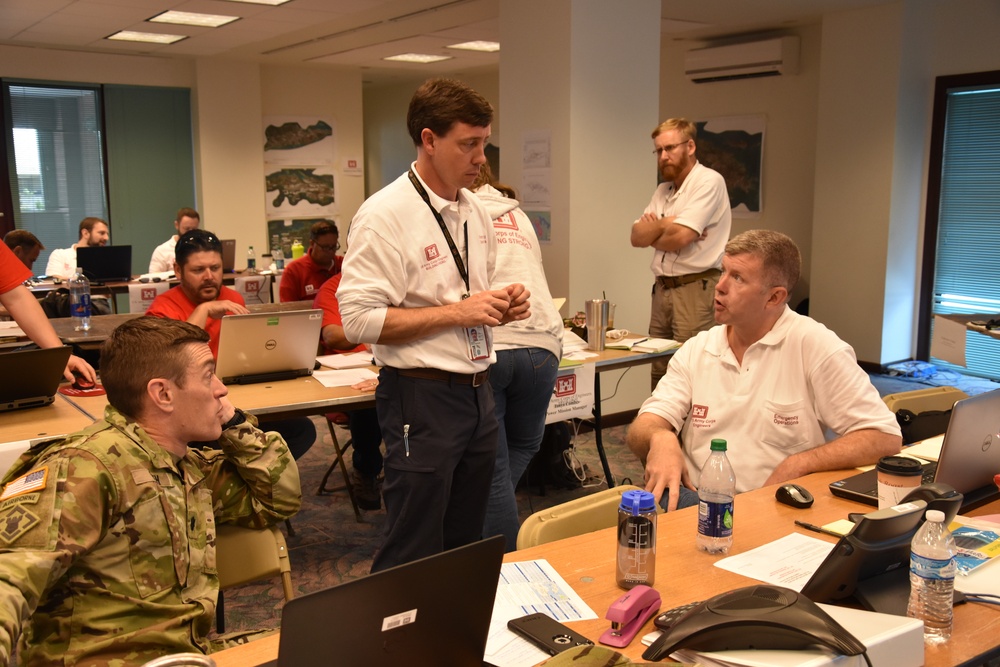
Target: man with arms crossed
x,y
687,223
107,552
62,261
416,287
163,255
767,380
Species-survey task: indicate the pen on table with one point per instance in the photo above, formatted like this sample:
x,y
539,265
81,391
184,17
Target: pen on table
x,y
815,528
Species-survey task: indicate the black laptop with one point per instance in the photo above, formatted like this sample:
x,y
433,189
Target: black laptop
x,y
105,263
228,255
431,612
970,456
30,378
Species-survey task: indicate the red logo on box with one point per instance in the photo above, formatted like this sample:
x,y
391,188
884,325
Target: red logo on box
x,y
148,293
565,385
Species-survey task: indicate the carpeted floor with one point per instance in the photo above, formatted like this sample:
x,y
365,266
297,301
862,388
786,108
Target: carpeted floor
x,y
329,546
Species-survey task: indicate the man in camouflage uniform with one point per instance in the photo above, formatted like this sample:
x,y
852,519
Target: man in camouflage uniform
x,y
107,536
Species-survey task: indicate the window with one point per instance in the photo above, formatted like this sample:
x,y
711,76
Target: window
x,y
56,168
962,237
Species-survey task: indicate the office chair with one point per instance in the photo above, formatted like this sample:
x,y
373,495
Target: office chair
x,y
243,555
923,413
575,517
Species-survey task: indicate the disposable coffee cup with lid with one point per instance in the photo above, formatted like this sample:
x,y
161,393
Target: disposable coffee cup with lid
x,y
897,476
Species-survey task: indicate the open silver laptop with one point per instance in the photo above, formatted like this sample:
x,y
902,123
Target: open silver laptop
x,y
428,613
266,347
30,378
970,455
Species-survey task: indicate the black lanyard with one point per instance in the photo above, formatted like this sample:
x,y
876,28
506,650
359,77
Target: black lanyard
x,y
444,230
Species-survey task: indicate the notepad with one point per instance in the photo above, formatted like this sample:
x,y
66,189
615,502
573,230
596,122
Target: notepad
x,y
655,345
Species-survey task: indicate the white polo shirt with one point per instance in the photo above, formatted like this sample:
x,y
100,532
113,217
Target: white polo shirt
x,y
397,256
797,383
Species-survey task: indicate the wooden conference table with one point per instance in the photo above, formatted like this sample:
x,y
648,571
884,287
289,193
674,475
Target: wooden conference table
x,y
684,574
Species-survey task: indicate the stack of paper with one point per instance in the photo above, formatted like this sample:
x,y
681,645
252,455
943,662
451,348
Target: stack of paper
x,y
655,345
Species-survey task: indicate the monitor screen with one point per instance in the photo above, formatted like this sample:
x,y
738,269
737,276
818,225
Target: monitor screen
x,y
871,564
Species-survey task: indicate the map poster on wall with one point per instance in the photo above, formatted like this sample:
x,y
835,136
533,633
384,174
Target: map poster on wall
x,y
734,147
542,222
299,160
299,140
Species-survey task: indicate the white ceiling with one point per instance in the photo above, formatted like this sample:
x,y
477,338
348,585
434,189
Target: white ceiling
x,y
355,33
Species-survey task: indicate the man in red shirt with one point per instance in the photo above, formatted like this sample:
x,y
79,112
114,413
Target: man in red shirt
x,y
304,276
366,435
202,300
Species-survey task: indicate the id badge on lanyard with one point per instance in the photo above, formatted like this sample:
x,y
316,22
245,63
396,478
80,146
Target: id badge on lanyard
x,y
479,342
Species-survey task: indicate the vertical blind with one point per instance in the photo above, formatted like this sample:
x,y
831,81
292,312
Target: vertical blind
x,y
56,167
967,268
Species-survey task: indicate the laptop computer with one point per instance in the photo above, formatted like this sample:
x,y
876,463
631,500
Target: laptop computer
x,y
30,378
266,347
970,455
228,255
106,263
431,612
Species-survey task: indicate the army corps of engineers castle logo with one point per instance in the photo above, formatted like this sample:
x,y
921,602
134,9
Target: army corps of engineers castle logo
x,y
565,385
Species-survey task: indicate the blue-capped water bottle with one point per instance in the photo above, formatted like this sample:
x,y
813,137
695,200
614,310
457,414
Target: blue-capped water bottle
x,y
79,301
716,490
636,556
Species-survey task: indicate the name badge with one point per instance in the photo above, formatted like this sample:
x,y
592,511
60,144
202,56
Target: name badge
x,y
479,342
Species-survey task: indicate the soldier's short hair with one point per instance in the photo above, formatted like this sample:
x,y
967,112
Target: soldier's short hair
x,y
440,103
141,349
778,254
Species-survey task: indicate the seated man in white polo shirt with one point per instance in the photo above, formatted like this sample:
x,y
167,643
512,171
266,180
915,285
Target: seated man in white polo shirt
x,y
768,380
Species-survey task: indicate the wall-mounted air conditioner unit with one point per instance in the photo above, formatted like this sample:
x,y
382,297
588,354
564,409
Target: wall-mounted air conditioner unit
x,y
742,61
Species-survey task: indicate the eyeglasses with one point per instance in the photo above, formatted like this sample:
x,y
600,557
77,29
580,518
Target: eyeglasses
x,y
669,147
327,247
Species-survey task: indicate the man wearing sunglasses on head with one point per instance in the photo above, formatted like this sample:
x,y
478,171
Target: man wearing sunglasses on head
x,y
304,276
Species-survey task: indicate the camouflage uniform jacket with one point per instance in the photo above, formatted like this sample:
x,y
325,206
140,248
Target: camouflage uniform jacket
x,y
107,543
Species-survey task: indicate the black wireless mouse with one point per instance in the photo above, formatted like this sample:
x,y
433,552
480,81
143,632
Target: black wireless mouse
x,y
794,495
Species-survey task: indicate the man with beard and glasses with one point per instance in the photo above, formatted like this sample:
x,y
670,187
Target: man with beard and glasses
x,y
687,223
202,300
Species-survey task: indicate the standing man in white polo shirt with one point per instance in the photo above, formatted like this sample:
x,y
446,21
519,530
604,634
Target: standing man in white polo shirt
x,y
687,223
416,287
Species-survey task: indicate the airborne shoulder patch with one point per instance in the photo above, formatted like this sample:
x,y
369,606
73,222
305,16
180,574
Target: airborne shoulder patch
x,y
27,483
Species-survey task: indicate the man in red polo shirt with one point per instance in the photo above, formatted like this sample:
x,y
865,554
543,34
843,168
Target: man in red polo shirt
x,y
304,276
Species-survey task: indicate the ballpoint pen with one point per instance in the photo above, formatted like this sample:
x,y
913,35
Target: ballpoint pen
x,y
815,528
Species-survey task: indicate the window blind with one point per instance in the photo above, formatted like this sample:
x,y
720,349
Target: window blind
x,y
967,267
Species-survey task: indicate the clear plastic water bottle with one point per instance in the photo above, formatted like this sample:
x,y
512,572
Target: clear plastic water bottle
x,y
79,301
278,255
251,261
716,490
932,578
636,556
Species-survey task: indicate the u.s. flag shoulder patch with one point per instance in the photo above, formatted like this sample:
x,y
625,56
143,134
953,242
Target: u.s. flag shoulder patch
x,y
27,483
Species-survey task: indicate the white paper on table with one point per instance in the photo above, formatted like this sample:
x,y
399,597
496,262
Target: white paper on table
x,y
572,342
928,450
789,561
525,588
345,377
579,355
341,361
11,328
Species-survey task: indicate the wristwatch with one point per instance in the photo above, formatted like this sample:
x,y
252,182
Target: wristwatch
x,y
238,418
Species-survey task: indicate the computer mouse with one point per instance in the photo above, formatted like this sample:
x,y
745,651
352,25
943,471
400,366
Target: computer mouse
x,y
794,495
82,383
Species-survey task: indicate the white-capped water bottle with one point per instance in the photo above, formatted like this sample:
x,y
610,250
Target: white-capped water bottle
x,y
932,578
278,255
716,490
79,301
251,261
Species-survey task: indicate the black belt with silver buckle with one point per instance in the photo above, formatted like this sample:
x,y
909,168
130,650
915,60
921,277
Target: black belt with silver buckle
x,y
475,379
670,282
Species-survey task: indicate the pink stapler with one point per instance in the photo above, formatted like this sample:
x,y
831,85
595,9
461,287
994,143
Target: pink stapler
x,y
628,614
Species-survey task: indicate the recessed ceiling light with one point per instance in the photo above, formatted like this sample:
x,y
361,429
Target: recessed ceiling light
x,y
193,18
478,45
417,58
153,37
274,3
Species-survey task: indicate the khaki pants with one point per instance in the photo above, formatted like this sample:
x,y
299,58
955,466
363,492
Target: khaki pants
x,y
680,313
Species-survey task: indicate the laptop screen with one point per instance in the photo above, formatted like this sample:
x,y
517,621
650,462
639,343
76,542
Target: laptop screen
x,y
109,263
266,347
